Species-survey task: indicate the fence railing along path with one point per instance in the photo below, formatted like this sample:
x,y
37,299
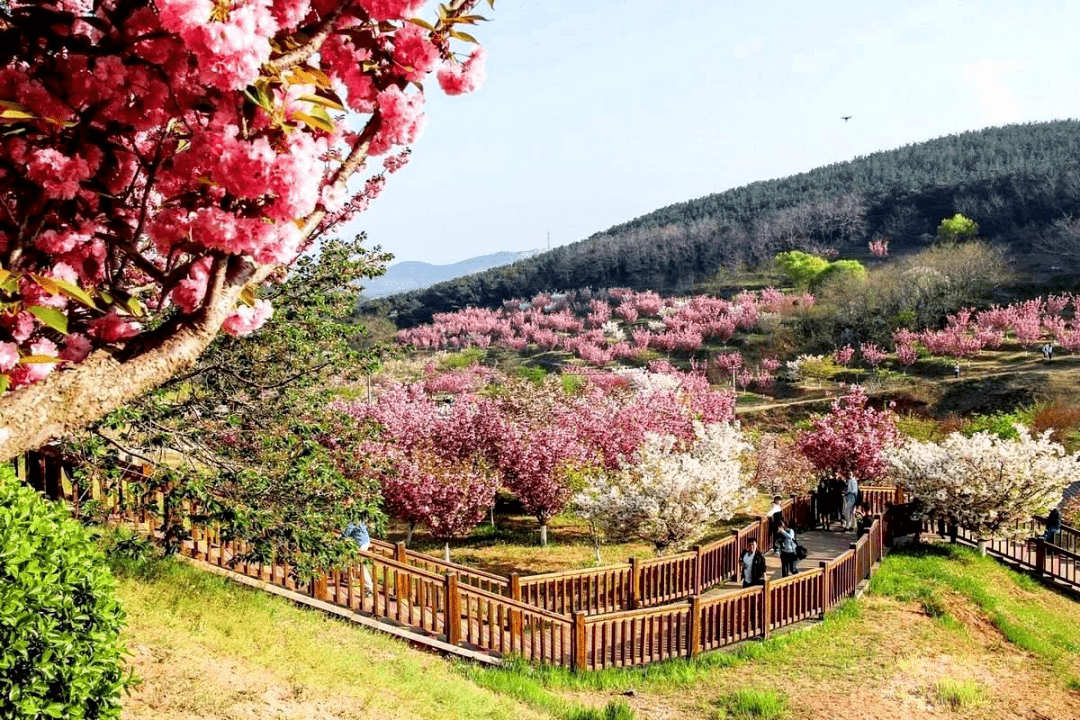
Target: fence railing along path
x,y
627,614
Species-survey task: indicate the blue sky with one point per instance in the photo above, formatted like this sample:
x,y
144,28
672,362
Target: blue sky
x,y
594,111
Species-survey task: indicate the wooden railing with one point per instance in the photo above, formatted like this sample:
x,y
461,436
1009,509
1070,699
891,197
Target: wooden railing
x,y
603,617
470,576
599,590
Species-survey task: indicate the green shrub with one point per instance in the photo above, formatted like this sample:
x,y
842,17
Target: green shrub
x,y
534,374
59,619
464,358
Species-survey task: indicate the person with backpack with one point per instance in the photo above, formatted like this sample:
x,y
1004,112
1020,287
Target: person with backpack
x,y
752,564
788,550
775,513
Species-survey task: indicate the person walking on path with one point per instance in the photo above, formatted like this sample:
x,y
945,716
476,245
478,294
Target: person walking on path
x,y
1053,526
788,550
775,513
1048,352
752,563
851,496
357,531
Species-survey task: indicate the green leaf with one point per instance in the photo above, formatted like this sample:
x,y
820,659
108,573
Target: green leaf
x,y
313,122
56,286
422,23
50,316
464,37
323,101
5,383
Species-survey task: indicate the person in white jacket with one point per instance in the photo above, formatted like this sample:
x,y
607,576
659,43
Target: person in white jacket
x,y
851,496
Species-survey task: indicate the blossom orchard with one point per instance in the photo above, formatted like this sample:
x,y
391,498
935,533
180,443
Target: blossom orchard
x,y
169,158
532,438
987,484
586,323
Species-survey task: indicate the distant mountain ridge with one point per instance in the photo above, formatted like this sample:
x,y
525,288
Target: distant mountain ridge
x,y
1014,181
416,275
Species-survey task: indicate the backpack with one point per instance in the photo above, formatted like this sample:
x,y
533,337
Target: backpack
x,y
800,552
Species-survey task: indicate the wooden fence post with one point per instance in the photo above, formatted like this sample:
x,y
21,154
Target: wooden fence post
x,y
319,586
735,550
635,584
697,570
1040,556
766,609
401,587
577,642
515,586
899,497
695,626
452,611
824,586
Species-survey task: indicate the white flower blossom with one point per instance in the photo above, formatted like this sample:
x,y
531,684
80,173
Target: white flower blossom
x,y
984,483
671,497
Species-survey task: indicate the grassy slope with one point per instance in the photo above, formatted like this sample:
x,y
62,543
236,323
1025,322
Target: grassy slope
x,y
207,648
942,633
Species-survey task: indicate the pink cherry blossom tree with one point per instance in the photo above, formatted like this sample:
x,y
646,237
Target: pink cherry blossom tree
x,y
850,439
164,160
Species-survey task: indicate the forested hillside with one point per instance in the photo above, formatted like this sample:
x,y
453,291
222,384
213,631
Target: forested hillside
x,y
1015,181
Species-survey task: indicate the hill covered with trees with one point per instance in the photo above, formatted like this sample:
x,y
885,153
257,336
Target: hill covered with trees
x,y
1016,181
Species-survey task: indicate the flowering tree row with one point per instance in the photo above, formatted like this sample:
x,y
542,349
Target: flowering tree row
x,y
985,483
968,332
605,326
530,438
161,161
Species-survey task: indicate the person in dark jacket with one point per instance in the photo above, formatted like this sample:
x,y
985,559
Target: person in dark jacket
x,y
1053,525
752,565
863,520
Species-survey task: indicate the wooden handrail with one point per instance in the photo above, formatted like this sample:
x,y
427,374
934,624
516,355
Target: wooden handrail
x,y
517,605
676,607
561,574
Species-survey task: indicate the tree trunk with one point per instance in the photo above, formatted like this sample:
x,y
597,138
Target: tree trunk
x,y
543,534
73,398
981,544
446,551
596,551
408,535
493,518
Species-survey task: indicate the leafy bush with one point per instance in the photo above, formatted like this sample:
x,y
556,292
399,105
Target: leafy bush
x,y
463,359
59,619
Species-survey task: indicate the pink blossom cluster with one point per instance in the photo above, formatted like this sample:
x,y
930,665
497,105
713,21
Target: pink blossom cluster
x,y
576,323
879,248
529,437
872,354
851,439
152,142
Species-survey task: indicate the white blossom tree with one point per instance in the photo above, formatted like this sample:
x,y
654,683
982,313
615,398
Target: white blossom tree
x,y
670,496
985,483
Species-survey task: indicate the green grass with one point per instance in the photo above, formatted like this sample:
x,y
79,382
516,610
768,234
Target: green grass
x,y
529,682
956,693
1040,622
764,704
186,615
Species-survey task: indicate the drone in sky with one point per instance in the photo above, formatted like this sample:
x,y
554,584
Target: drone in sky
x,y
845,118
